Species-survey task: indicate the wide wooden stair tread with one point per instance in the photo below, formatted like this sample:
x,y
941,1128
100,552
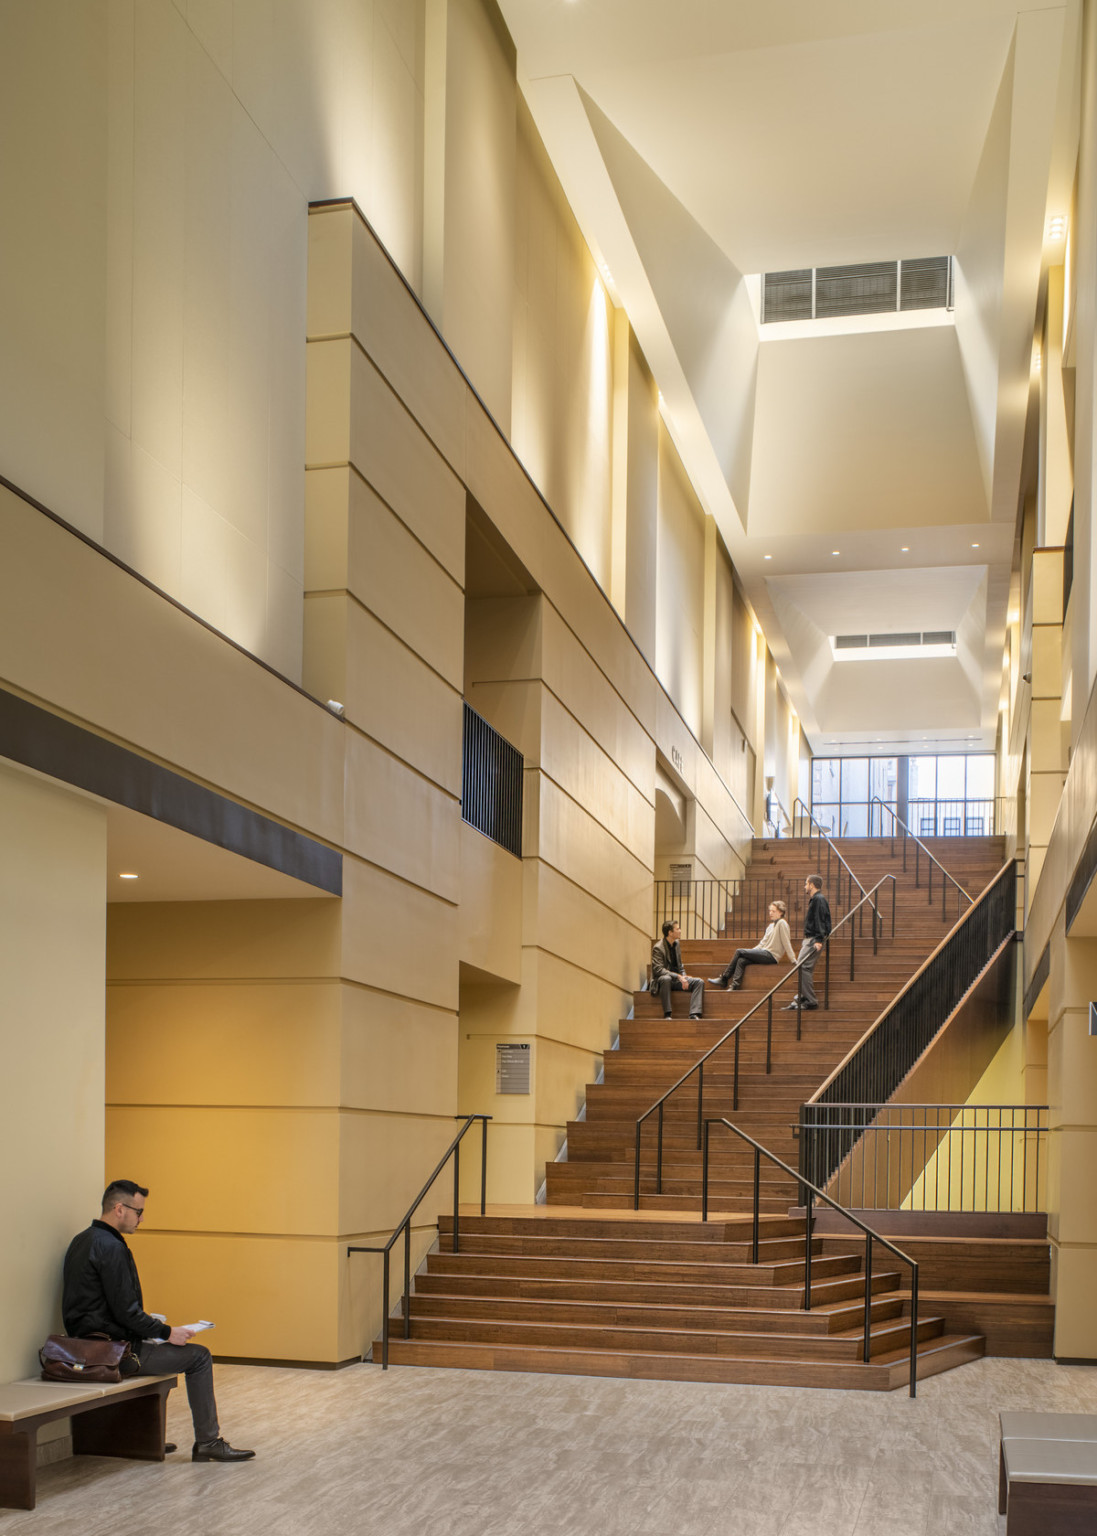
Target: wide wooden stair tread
x,y
586,1285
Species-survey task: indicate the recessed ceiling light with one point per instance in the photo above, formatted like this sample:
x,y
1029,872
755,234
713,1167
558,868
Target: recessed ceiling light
x,y
975,546
905,550
767,557
127,877
1057,226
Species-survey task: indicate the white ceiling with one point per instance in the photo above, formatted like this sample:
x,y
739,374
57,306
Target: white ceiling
x,y
707,140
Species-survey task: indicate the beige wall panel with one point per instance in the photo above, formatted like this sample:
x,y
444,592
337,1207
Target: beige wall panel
x,y
324,663
327,515
401,702
574,842
1071,1191
1047,586
80,632
247,1043
399,820
586,611
481,102
1075,1318
400,582
555,998
1046,738
398,937
680,588
388,322
272,1297
489,919
384,1161
514,1172
53,255
1044,793
713,850
562,1075
575,761
1071,1060
514,710
592,698
502,488
397,459
477,1077
222,940
561,917
52,879
1047,662
226,1169
643,502
503,639
330,271
398,1056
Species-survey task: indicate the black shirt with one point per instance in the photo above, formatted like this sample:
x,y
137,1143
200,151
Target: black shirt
x,y
817,918
101,1291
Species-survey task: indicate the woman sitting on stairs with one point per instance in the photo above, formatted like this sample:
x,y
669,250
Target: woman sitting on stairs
x,y
775,941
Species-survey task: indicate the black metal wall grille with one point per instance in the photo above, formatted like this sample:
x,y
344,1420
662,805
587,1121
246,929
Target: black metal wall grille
x,y
866,288
491,784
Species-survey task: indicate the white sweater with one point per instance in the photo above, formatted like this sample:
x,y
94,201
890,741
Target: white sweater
x,y
778,940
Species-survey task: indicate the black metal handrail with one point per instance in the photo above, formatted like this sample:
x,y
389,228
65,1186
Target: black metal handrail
x,y
872,1071
919,849
699,1066
824,837
810,1195
404,1225
992,1147
492,772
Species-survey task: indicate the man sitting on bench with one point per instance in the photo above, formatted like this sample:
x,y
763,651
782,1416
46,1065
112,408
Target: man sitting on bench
x,y
102,1295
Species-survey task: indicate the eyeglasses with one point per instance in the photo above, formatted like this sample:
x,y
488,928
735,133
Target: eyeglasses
x,y
138,1210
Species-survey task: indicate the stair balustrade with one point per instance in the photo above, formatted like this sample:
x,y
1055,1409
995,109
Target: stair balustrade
x,y
810,1195
920,850
872,1071
404,1225
872,899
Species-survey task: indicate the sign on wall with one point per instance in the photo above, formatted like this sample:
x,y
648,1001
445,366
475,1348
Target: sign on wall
x,y
512,1068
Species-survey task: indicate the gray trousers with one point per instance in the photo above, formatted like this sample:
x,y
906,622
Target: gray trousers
x,y
668,984
195,1360
806,960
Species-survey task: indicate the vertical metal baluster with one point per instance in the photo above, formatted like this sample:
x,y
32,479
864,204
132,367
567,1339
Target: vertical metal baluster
x,y
807,1250
769,1037
700,1095
868,1298
636,1176
913,1329
659,1154
735,1079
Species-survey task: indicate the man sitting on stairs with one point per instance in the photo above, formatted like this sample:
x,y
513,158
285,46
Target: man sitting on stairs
x,y
668,974
816,934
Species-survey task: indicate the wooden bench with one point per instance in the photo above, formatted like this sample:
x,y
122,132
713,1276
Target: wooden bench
x,y
1047,1477
126,1418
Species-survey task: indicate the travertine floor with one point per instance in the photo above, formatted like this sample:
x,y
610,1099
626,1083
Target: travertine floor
x,y
468,1453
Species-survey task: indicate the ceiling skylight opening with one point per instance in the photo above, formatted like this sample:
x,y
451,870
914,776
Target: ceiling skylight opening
x,y
909,645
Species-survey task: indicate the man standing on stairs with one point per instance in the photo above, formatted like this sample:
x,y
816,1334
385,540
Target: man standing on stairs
x,y
668,974
816,934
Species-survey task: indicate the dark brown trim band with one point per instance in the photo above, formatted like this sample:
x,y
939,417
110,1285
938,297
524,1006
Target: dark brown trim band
x,y
38,739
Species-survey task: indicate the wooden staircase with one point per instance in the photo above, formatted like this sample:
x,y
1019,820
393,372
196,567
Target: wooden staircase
x,y
587,1285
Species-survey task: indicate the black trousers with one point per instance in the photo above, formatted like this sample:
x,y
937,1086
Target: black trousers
x,y
744,957
197,1364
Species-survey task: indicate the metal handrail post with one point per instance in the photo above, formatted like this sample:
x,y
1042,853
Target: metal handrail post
x,y
735,1080
636,1179
659,1156
407,1281
826,977
704,1173
456,1195
700,1096
385,1322
757,1206
852,947
807,1252
484,1167
914,1331
894,883
868,1297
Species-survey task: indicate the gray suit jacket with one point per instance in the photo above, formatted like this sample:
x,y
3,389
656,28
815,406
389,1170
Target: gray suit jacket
x,y
663,959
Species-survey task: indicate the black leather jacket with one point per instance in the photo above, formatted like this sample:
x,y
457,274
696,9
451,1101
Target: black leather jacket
x,y
101,1292
817,919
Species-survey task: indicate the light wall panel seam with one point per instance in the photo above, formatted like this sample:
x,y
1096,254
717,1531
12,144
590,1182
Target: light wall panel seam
x,y
649,869
573,965
537,858
648,800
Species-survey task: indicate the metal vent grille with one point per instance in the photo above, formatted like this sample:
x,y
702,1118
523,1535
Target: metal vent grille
x,y
864,288
908,638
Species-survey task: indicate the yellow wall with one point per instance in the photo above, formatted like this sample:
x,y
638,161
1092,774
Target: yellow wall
x,y
52,883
